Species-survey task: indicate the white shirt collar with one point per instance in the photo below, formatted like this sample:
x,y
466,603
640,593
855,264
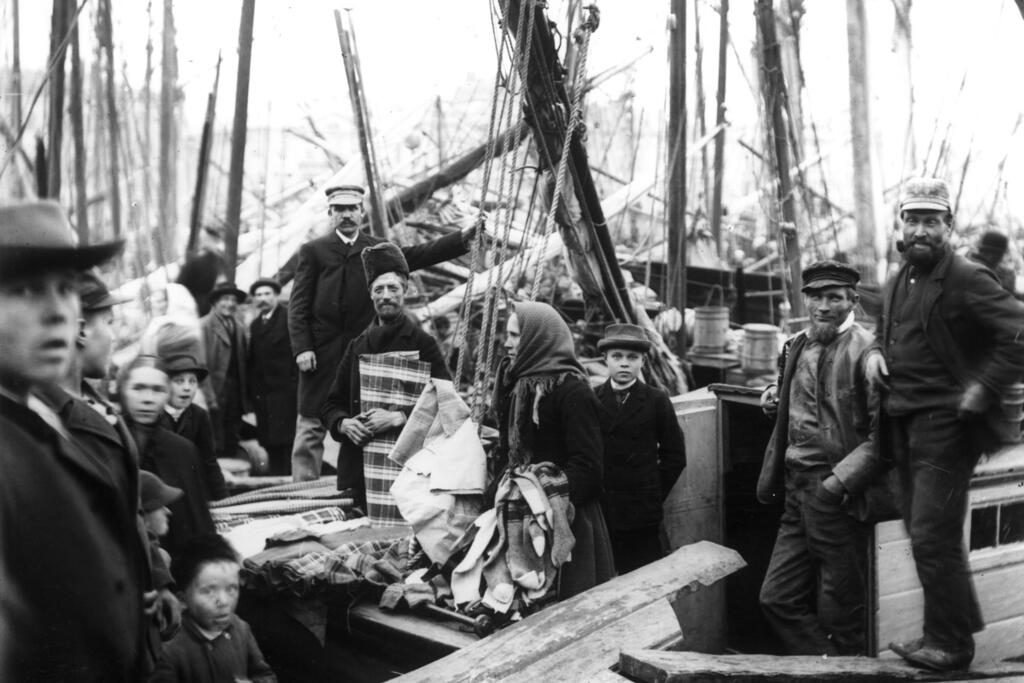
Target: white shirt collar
x,y
347,240
847,324
621,387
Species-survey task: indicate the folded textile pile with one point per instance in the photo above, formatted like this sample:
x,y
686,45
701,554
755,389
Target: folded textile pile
x,y
287,499
515,548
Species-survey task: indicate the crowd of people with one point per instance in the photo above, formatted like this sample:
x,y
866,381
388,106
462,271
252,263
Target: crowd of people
x,y
110,566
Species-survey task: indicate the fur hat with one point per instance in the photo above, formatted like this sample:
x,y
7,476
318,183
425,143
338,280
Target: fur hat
x,y
382,258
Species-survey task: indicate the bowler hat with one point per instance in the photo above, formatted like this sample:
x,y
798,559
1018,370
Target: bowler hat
x,y
184,362
925,194
94,294
624,336
36,236
382,258
154,493
222,288
345,195
265,282
829,274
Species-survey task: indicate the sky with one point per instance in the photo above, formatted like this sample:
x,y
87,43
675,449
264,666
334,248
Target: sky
x,y
413,51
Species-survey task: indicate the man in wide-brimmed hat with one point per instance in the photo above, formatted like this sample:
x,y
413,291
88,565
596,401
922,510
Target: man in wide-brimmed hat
x,y
226,350
72,566
950,342
644,451
273,376
329,306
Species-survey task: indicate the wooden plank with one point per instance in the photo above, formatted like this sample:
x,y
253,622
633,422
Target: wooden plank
x,y
434,633
540,635
690,667
692,511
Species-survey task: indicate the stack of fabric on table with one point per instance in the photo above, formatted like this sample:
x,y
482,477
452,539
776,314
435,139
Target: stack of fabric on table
x,y
287,499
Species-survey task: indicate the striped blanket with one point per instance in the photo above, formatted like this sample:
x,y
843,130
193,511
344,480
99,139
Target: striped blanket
x,y
390,381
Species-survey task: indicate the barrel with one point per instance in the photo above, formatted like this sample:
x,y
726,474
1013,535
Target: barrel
x,y
760,354
709,328
1013,412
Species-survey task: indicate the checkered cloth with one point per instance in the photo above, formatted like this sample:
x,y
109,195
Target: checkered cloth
x,y
390,381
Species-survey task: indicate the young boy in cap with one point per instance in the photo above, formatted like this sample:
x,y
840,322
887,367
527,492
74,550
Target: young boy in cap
x,y
214,644
644,451
156,496
72,563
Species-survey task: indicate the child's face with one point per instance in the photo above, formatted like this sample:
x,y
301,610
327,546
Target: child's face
x,y
623,365
183,389
157,521
212,596
145,394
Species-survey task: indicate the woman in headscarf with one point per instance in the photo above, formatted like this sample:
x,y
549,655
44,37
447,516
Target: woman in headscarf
x,y
547,412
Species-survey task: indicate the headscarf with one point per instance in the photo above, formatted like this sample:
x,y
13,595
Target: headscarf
x,y
544,359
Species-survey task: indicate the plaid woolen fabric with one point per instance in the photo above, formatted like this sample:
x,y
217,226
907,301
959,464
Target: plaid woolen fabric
x,y
389,381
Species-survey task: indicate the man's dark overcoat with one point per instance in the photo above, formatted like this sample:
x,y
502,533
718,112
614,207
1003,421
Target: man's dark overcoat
x,y
273,378
330,303
194,424
217,353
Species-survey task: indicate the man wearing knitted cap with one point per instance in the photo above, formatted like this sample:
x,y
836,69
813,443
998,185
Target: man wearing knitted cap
x,y
329,306
949,341
387,273
820,462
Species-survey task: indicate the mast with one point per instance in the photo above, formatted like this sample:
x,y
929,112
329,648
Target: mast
x,y
203,164
15,96
78,136
773,89
113,126
676,175
719,162
860,130
238,133
166,207
55,130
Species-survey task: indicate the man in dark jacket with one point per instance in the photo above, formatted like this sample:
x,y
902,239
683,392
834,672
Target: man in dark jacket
x,y
343,413
226,350
71,599
821,458
644,451
273,377
951,340
329,306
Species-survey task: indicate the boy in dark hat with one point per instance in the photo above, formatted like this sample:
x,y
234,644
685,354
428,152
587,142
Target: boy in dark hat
x,y
644,450
183,417
72,563
226,349
273,376
156,496
820,461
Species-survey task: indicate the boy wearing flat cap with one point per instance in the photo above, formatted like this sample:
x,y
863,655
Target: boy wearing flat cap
x,y
644,451
72,564
820,461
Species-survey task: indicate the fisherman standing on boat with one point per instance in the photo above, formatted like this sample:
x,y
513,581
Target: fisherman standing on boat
x,y
330,305
820,459
949,342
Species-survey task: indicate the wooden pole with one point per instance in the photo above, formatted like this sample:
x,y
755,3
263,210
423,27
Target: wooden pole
x,y
147,123
719,162
347,40
773,88
865,257
203,165
55,127
78,136
676,174
440,131
700,126
167,162
113,126
238,134
17,188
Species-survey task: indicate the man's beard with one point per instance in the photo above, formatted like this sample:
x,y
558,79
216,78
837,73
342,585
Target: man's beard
x,y
921,259
823,333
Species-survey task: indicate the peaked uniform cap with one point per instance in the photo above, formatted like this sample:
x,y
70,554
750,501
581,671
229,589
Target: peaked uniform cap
x,y
382,258
925,194
624,336
828,274
36,236
345,195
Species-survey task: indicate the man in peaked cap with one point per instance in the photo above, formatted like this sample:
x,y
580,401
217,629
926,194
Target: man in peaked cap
x,y
644,451
949,342
387,273
71,607
330,306
820,463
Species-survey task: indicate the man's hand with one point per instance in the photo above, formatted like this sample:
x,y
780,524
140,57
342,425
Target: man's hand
x,y
306,361
974,401
876,370
164,609
378,420
355,431
770,400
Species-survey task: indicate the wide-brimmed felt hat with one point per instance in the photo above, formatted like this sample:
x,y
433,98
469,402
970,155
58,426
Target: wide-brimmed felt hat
x,y
925,194
345,195
184,362
265,282
36,236
222,288
382,258
154,493
94,295
624,336
828,274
